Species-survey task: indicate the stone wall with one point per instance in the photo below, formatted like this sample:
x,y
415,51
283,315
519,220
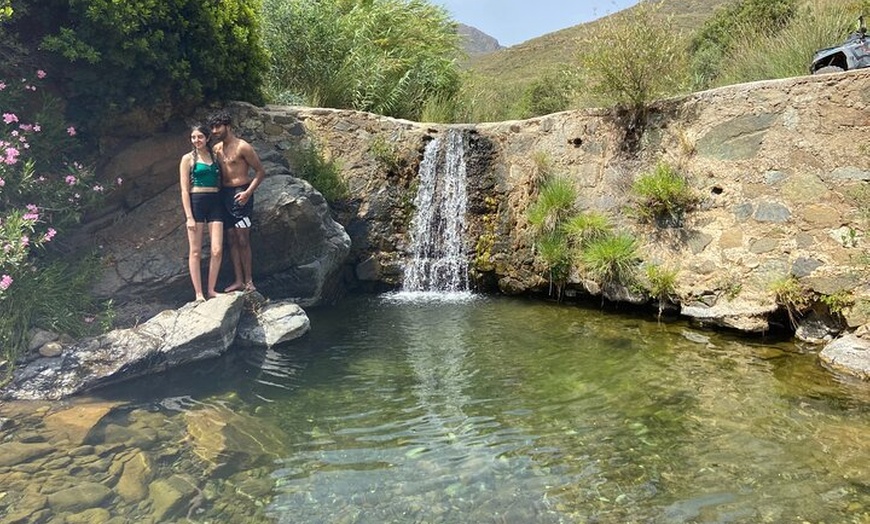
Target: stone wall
x,y
781,168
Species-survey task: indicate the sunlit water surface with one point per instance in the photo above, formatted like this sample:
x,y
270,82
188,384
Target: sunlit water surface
x,y
400,408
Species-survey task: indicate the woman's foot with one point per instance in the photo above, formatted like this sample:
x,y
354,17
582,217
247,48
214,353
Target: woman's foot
x,y
235,286
199,298
249,287
214,294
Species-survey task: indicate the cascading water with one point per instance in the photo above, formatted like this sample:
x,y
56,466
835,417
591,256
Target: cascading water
x,y
437,231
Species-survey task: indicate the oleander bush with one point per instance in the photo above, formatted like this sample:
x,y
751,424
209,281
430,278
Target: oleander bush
x,y
133,66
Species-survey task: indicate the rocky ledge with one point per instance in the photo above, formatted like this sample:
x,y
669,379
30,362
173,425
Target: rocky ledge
x,y
194,332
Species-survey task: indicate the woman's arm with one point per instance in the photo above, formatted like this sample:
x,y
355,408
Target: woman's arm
x,y
184,182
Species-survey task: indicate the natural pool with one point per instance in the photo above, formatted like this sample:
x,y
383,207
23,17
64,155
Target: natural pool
x,y
484,409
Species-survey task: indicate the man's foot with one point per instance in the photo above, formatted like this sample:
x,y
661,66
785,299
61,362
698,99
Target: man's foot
x,y
214,294
249,287
235,286
199,298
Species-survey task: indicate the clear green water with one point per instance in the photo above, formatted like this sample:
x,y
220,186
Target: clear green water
x,y
503,410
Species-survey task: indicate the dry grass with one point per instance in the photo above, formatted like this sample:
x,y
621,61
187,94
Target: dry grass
x,y
511,70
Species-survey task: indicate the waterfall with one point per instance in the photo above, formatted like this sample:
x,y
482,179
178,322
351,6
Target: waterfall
x,y
437,231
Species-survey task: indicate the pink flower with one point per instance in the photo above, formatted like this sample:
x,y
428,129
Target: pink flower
x,y
40,73
2,86
26,127
11,155
8,118
33,217
71,131
37,128
25,241
98,188
5,282
2,182
119,181
88,320
70,179
49,234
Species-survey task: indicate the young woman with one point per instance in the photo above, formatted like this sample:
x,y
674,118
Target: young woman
x,y
200,180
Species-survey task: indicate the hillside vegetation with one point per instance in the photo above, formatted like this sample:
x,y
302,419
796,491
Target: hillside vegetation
x,y
699,44
520,64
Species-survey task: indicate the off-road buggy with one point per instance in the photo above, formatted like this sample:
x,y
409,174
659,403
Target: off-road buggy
x,y
854,53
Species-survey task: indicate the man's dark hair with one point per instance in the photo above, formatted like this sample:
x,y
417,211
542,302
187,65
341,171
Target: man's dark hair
x,y
219,118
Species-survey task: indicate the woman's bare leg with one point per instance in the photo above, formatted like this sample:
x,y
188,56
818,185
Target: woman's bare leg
x,y
194,257
216,240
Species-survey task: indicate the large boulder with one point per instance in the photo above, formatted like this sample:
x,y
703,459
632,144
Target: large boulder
x,y
174,337
297,247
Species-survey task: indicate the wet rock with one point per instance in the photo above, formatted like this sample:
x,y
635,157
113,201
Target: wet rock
x,y
137,474
225,439
817,328
849,355
51,349
27,509
131,437
744,316
91,516
273,324
79,498
77,422
14,453
172,496
40,337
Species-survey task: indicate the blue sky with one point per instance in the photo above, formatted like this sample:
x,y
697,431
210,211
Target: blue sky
x,y
514,21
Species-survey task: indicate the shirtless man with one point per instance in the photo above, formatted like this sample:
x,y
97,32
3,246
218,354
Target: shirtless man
x,y
237,157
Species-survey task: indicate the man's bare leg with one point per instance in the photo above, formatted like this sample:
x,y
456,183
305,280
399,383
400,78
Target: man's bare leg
x,y
245,258
216,240
238,282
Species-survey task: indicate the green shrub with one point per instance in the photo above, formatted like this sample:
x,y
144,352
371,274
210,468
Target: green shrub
x,y
555,203
387,154
663,196
140,63
727,29
386,56
324,174
554,251
612,259
838,301
551,93
587,227
630,64
787,53
65,304
791,295
661,284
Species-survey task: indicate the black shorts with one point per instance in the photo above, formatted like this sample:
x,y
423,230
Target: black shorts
x,y
237,215
207,207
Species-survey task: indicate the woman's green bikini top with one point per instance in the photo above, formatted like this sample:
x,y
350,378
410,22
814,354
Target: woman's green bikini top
x,y
205,175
